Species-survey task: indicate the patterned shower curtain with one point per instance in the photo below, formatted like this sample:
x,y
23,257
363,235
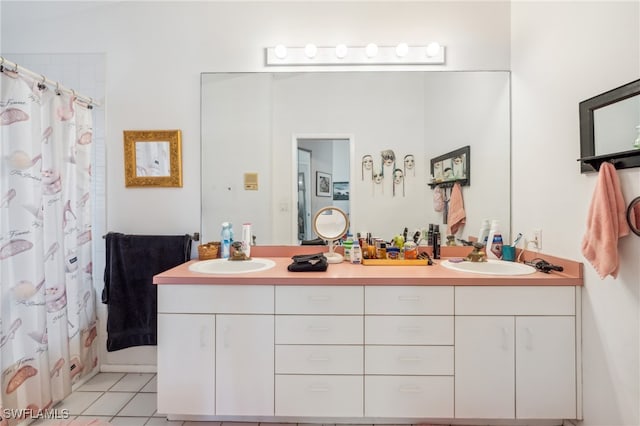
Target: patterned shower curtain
x,y
47,300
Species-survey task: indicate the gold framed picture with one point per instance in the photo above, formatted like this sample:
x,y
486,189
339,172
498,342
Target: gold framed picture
x,y
153,158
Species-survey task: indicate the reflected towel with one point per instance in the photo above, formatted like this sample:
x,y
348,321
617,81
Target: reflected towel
x,y
457,216
606,223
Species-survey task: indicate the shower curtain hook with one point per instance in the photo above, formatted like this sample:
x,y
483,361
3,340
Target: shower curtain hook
x,y
57,88
73,93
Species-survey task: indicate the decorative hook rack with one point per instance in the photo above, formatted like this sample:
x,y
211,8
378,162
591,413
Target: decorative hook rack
x,y
620,160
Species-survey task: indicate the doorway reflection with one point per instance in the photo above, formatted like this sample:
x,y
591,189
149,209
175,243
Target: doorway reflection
x,y
330,157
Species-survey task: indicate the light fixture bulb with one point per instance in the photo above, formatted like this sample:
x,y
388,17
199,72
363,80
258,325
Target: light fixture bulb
x,y
402,49
341,51
280,51
310,50
371,50
433,49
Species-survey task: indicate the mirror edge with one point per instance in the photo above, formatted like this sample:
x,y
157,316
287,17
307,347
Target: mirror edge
x,y
634,225
586,108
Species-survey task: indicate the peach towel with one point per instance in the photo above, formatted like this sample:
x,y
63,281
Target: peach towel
x,y
606,223
456,217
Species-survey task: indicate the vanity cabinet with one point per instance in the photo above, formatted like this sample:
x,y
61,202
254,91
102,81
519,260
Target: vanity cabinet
x,y
409,352
515,352
310,352
186,360
215,350
318,347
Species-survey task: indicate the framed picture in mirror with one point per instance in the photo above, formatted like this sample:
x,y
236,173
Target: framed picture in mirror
x,y
453,166
153,158
323,184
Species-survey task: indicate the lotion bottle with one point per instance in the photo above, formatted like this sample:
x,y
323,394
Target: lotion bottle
x,y
246,239
483,235
494,241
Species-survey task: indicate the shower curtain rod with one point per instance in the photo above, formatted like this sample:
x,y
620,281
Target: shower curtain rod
x,y
44,80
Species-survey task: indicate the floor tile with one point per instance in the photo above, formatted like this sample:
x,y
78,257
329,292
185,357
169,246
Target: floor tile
x,y
108,404
151,386
205,423
160,421
142,405
77,402
239,424
132,382
129,421
101,382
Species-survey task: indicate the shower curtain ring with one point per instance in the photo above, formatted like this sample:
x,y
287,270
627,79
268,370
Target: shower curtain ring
x,y
44,79
57,87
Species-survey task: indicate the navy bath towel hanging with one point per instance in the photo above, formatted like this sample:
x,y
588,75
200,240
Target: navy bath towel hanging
x,y
129,292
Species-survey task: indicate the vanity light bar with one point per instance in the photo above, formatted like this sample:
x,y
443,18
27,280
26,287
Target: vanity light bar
x,y
402,54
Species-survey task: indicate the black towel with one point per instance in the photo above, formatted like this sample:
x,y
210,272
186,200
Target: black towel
x,y
129,292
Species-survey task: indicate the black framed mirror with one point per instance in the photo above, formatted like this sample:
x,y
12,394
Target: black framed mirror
x,y
610,128
633,216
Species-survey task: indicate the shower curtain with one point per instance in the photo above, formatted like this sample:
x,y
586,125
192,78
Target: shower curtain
x,y
47,300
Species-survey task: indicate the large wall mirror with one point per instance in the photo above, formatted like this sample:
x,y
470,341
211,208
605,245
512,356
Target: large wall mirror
x,y
285,127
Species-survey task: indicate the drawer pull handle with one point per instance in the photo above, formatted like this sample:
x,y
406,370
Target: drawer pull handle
x,y
318,388
412,328
316,358
505,338
319,298
410,389
410,359
408,298
318,328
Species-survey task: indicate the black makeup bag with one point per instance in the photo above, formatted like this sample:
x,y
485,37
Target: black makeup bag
x,y
308,263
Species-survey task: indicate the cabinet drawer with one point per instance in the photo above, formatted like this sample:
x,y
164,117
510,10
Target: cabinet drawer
x,y
409,360
408,330
526,300
319,396
408,300
318,359
211,299
318,329
408,396
319,300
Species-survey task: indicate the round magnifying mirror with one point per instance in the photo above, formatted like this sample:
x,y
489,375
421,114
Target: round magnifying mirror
x,y
633,215
330,224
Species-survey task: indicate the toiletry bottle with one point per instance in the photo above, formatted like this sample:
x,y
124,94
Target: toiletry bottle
x,y
435,243
494,241
246,239
483,235
226,235
347,245
356,253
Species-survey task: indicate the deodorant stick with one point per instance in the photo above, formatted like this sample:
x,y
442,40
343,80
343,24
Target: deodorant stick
x,y
246,239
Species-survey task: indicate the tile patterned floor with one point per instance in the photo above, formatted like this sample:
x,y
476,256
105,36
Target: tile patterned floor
x,y
125,399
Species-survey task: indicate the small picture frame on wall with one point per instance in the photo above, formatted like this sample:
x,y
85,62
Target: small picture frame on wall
x,y
153,158
341,191
323,184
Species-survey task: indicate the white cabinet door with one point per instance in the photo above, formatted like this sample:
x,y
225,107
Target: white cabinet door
x,y
545,367
186,359
244,365
484,367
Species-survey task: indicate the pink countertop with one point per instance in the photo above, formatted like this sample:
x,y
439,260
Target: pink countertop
x,y
348,274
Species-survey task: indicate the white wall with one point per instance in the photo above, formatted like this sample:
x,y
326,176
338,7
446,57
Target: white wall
x,y
563,53
156,50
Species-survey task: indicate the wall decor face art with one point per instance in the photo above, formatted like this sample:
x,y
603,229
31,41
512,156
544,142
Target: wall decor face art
x,y
409,164
398,180
367,166
398,174
388,158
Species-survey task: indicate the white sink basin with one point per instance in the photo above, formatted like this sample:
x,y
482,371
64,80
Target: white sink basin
x,y
224,266
490,267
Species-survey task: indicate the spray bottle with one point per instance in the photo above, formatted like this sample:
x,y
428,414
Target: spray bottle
x,y
226,236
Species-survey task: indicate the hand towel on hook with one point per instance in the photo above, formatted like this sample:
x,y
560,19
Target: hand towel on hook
x,y
606,223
